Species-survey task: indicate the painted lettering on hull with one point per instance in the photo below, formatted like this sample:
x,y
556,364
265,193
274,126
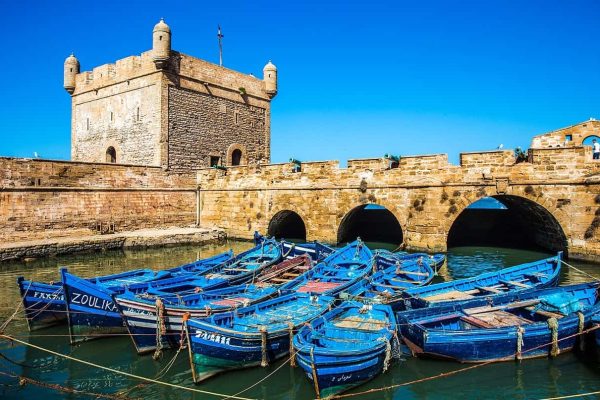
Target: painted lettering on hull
x,y
93,302
212,337
48,296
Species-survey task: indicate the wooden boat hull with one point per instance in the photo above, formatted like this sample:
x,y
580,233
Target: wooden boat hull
x,y
450,334
217,346
341,357
524,277
44,303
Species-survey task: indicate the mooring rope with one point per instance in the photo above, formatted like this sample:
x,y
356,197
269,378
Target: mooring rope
x,y
580,271
263,347
116,371
161,328
520,332
571,396
553,326
450,373
580,327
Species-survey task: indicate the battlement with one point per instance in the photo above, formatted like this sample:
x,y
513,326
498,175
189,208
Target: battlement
x,y
570,136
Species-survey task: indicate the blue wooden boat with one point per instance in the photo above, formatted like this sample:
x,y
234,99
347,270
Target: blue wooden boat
x,y
316,250
394,277
435,261
249,336
45,306
99,316
155,319
533,275
596,322
346,347
340,271
525,324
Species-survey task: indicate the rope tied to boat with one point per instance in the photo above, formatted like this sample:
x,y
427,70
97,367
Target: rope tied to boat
x,y
553,326
292,247
388,352
161,328
207,309
263,347
292,351
520,332
580,326
314,372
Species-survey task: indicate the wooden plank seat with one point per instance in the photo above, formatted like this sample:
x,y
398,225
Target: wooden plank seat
x,y
363,324
235,269
413,273
279,280
490,289
448,296
510,306
515,283
498,319
544,313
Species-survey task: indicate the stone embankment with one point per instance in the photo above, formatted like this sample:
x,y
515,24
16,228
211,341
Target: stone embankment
x,y
133,239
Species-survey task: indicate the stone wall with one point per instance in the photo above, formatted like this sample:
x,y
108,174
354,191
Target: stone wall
x,y
570,136
201,126
557,195
40,197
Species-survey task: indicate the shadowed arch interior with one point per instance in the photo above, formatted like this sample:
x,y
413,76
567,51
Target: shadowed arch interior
x,y
523,224
372,223
287,224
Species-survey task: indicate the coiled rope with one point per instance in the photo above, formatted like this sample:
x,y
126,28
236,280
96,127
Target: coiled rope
x,y
161,328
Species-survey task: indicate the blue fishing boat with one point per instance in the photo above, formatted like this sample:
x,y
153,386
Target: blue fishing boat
x,y
513,326
340,271
249,336
393,277
316,250
155,318
533,275
435,261
45,305
91,309
596,323
346,347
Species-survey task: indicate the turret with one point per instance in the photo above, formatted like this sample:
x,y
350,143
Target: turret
x,y
270,78
161,44
71,71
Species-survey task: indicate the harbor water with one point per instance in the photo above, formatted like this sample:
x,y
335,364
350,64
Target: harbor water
x,y
566,374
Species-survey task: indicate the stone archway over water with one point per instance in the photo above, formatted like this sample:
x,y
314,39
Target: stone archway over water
x,y
373,223
287,224
520,223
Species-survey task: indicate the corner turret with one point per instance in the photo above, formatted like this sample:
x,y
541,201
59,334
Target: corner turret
x,y
270,78
71,71
161,44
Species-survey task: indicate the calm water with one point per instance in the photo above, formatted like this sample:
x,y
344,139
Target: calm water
x,y
530,379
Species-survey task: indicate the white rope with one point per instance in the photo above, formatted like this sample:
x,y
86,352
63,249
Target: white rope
x,y
580,271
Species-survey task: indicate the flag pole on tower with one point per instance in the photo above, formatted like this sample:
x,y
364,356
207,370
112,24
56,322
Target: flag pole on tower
x,y
220,36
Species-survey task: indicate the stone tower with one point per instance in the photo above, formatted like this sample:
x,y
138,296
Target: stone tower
x,y
164,108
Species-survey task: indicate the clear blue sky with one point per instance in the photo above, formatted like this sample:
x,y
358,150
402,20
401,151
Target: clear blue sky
x,y
356,79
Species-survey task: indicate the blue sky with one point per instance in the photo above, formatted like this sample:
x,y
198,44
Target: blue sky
x,y
356,79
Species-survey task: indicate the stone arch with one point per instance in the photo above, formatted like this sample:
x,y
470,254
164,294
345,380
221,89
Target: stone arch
x,y
592,136
372,223
528,221
287,224
111,155
235,150
103,152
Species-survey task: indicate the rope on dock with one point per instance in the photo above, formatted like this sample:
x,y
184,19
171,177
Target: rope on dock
x,y
115,371
446,374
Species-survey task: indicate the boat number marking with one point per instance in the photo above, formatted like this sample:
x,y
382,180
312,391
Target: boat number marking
x,y
93,302
48,296
211,337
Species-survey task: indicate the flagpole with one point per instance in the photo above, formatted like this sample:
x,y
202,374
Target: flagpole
x,y
220,36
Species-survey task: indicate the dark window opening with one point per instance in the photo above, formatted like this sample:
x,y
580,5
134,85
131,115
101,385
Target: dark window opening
x,y
287,225
111,155
111,116
236,157
214,161
372,223
507,221
138,114
568,138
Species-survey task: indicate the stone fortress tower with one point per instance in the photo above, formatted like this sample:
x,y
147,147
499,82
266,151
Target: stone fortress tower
x,y
165,108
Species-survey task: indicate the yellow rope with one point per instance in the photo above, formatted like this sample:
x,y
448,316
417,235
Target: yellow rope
x,y
580,329
553,326
142,378
263,339
520,331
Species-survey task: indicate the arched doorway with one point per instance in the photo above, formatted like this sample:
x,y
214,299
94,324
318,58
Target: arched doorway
x,y
287,224
236,157
507,221
111,155
372,223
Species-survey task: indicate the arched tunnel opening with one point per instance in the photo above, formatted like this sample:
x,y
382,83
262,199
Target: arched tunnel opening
x,y
507,221
372,223
287,224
